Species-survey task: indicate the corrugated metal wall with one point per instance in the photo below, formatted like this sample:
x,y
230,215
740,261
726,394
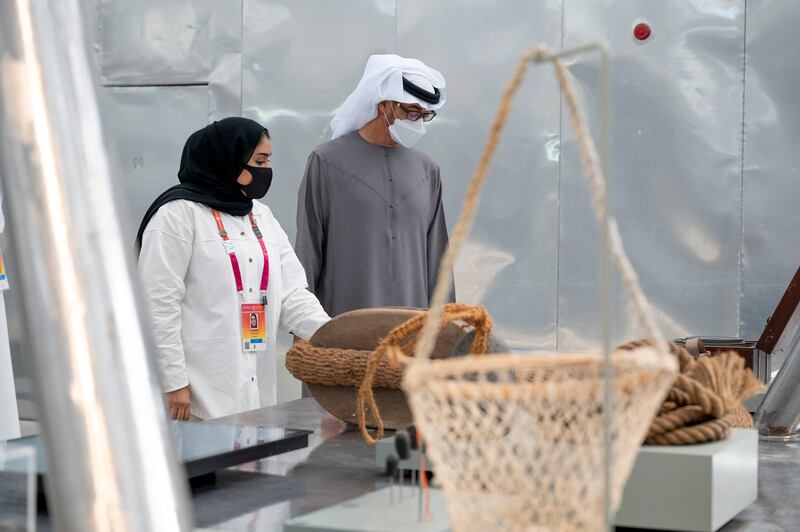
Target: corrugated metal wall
x,y
676,171
771,167
704,172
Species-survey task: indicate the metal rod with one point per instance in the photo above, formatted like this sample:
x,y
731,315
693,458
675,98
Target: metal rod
x,y
606,266
31,490
419,496
111,462
605,283
401,482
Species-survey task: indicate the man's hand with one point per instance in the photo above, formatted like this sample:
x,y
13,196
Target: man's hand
x,y
178,402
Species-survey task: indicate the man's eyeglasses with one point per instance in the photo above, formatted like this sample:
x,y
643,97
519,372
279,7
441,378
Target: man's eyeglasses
x,y
413,114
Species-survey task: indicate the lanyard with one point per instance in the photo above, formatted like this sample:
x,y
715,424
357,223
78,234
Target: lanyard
x,y
3,276
237,274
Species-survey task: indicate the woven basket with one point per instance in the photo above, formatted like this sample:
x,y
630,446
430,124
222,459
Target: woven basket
x,y
334,364
524,442
518,439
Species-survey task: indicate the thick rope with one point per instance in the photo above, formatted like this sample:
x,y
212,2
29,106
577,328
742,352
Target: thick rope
x,y
589,161
705,399
726,375
396,345
712,430
679,397
675,419
685,360
710,402
741,418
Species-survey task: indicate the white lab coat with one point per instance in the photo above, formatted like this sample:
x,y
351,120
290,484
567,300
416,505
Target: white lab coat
x,y
9,417
191,293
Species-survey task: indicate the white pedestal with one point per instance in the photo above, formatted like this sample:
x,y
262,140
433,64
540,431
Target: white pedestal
x,y
694,487
690,487
379,511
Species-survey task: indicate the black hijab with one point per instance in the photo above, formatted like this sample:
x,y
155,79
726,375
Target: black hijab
x,y
212,160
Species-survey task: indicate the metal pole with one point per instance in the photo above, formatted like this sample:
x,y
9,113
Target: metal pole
x,y
605,286
111,462
605,264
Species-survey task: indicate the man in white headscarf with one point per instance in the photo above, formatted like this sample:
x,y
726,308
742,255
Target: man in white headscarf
x,y
371,230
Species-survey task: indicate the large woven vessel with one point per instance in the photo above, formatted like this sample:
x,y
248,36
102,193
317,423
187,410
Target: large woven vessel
x,y
334,362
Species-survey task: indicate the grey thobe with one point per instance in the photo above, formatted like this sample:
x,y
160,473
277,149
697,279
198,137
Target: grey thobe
x,y
370,225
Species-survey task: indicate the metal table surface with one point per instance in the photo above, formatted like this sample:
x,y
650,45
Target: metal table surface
x,y
338,465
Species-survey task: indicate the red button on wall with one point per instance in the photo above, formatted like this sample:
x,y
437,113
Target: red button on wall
x,y
642,31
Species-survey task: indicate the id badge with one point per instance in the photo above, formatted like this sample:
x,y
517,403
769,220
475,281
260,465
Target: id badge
x,y
3,277
254,327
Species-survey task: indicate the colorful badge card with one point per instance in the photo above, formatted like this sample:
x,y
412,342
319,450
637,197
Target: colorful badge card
x,y
254,327
3,277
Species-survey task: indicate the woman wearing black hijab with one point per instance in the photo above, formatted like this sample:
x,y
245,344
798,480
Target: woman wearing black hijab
x,y
204,244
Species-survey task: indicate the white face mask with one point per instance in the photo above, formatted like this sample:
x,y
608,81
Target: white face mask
x,y
406,132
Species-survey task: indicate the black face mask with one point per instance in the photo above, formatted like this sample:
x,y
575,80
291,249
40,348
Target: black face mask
x,y
262,179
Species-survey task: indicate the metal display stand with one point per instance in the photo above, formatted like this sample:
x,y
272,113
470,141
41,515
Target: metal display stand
x,y
686,487
691,487
380,511
18,487
203,448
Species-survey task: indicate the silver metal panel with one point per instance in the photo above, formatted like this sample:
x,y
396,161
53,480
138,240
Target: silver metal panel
x,y
20,344
225,79
676,169
151,42
771,239
148,127
301,59
532,257
110,463
509,263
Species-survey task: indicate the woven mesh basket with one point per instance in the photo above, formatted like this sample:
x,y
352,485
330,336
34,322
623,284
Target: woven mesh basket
x,y
521,442
518,440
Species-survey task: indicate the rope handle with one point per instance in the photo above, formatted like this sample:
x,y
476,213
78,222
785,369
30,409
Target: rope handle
x,y
591,166
401,342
